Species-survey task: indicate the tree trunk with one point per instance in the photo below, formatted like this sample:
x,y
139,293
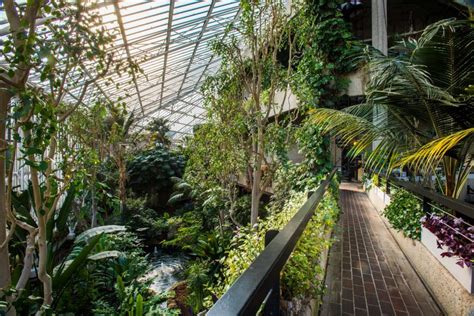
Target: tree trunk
x,y
43,275
221,221
257,178
5,278
122,186
27,262
257,175
93,206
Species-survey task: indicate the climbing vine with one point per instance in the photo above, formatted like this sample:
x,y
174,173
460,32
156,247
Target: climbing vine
x,y
326,48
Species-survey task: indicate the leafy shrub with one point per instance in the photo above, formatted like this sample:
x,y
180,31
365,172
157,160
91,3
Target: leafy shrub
x,y
242,209
198,278
151,171
110,282
186,231
210,249
455,234
404,214
375,180
299,278
146,222
309,173
302,276
154,168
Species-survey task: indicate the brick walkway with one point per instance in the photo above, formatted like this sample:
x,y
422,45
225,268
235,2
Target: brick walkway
x,y
367,272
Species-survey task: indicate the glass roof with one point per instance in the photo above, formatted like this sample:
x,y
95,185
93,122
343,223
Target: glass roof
x,y
170,40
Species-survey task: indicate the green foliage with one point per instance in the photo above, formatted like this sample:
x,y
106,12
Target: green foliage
x,y
182,196
189,228
375,180
110,281
147,223
107,229
151,171
327,50
301,276
198,278
159,129
419,113
241,209
307,174
215,156
404,213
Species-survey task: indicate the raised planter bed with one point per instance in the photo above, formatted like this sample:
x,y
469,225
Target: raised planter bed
x,y
378,197
463,275
447,289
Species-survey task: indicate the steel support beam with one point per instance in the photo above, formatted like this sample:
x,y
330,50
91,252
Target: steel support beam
x,y
167,45
203,30
127,50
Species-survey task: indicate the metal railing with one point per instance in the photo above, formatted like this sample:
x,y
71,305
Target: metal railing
x,y
429,197
260,282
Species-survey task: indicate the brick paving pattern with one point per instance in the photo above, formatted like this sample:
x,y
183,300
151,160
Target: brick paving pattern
x,y
367,273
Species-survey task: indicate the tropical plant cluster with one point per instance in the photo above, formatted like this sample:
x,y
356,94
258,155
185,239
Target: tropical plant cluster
x,y
326,49
454,236
75,157
102,195
418,109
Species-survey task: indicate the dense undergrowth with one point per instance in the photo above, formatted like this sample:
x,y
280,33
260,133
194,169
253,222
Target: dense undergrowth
x,y
78,235
301,273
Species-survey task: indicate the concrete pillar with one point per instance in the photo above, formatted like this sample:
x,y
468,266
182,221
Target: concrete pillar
x,y
379,25
379,33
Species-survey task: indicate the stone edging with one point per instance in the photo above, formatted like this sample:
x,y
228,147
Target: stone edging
x,y
451,296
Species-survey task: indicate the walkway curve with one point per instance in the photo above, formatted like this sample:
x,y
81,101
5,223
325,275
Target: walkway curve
x,y
367,273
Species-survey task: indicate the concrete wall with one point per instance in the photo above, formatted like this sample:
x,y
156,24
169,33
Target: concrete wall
x,y
284,102
358,80
448,293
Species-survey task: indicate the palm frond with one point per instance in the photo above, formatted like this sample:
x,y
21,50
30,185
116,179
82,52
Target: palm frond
x,y
360,132
431,154
446,49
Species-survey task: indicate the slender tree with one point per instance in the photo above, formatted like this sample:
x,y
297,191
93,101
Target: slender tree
x,y
65,48
241,97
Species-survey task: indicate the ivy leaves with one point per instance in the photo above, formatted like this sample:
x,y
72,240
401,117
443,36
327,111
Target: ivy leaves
x,y
404,213
326,49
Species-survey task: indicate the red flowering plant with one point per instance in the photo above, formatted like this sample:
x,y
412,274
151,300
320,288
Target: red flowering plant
x,y
455,235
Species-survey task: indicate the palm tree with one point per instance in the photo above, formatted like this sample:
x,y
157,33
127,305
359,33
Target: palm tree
x,y
118,130
160,127
419,107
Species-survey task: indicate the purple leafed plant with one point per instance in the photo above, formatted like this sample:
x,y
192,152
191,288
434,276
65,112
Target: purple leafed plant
x,y
453,233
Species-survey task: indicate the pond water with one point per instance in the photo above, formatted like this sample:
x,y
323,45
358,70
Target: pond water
x,y
166,270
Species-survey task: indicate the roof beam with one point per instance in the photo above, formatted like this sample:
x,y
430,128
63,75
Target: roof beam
x,y
167,45
213,55
167,104
203,30
127,50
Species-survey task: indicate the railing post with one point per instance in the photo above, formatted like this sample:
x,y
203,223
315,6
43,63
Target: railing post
x,y
426,205
272,306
